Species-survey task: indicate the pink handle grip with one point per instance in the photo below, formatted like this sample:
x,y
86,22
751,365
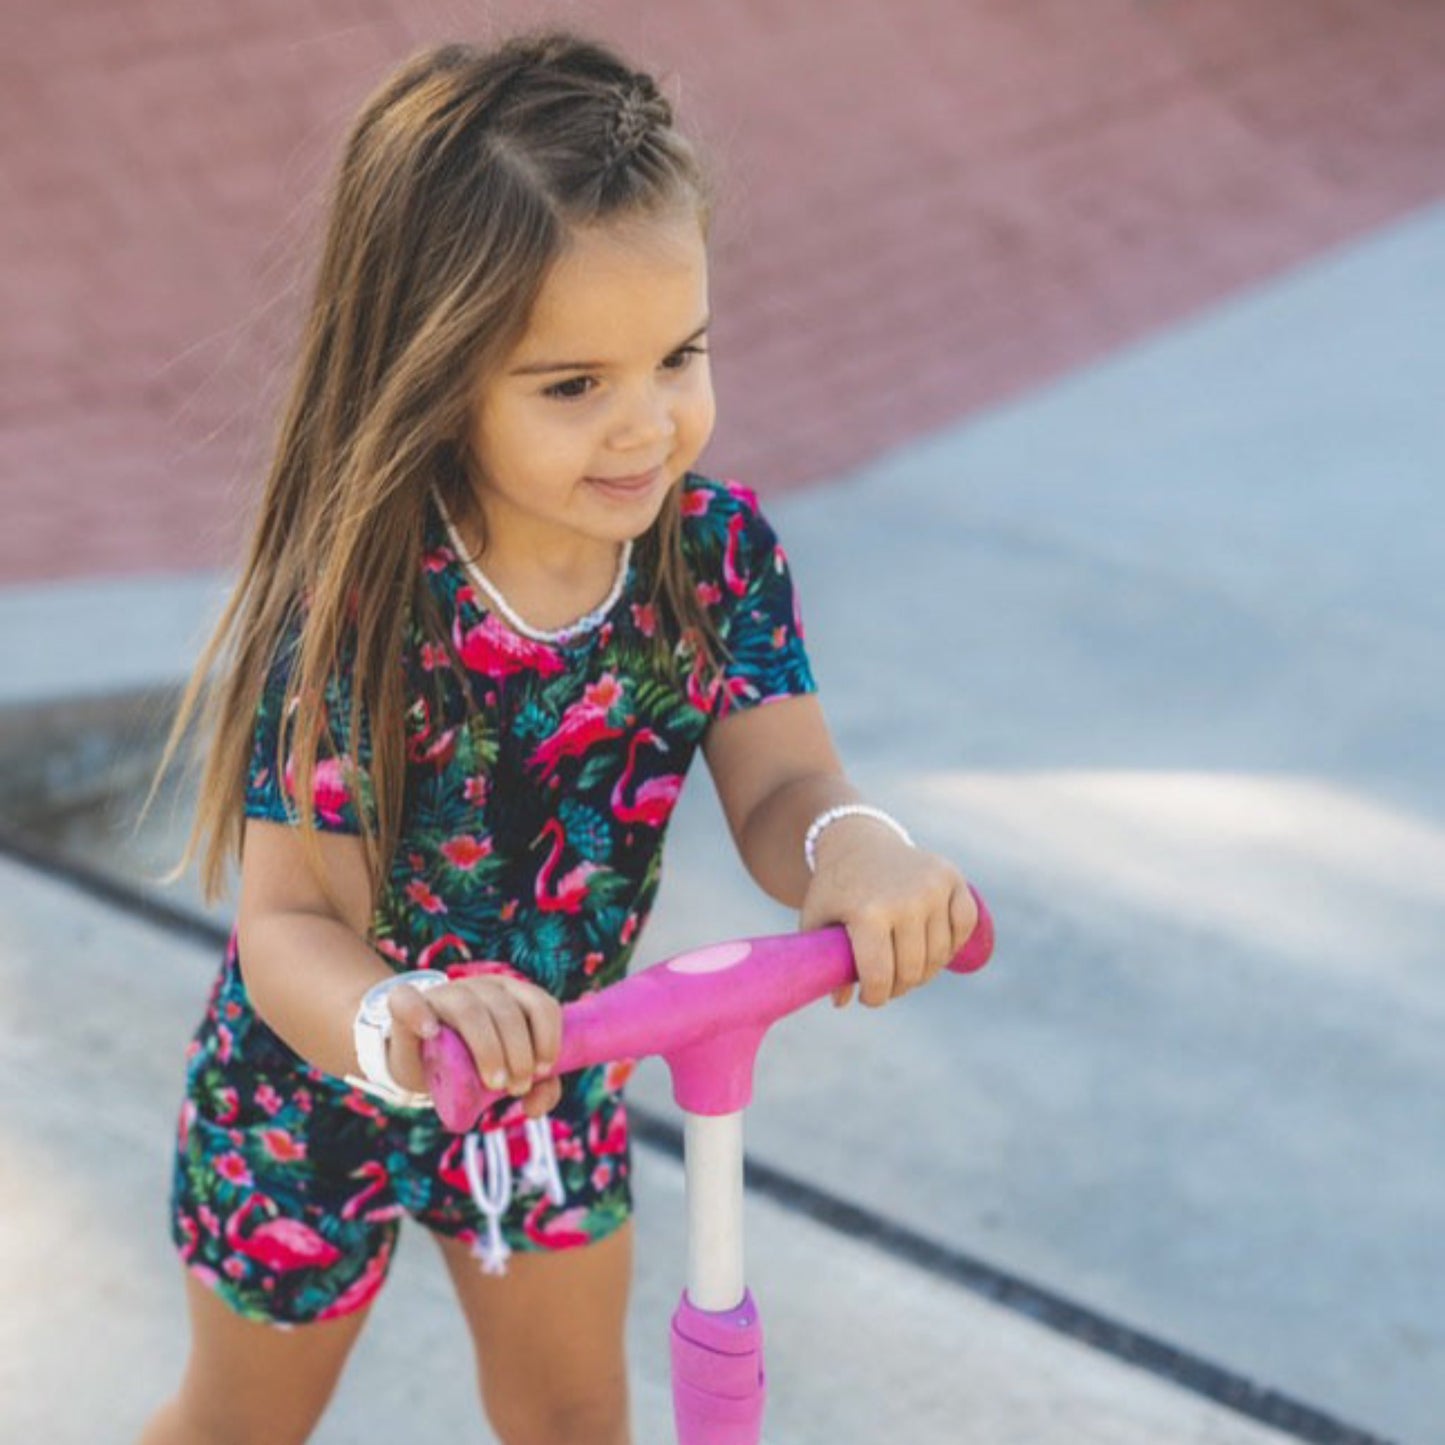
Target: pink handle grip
x,y
705,1012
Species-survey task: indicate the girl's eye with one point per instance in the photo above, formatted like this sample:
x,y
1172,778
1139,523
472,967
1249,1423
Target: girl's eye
x,y
576,387
681,357
565,390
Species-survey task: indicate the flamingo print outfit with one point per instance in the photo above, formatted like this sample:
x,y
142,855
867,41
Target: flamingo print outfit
x,y
540,780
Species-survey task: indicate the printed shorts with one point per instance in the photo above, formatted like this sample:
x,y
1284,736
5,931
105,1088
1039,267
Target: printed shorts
x,y
292,1217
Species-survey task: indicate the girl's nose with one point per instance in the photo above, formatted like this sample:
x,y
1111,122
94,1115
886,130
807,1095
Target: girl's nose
x,y
648,420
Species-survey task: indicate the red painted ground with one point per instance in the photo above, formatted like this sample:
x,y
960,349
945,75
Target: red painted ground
x,y
933,205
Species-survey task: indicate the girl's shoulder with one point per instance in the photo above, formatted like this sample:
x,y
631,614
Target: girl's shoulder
x,y
720,519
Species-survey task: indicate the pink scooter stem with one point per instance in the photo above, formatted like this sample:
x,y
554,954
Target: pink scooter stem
x,y
704,1012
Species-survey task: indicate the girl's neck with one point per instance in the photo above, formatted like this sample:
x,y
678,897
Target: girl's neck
x,y
549,581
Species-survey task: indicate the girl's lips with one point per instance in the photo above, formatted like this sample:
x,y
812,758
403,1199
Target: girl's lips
x,y
628,486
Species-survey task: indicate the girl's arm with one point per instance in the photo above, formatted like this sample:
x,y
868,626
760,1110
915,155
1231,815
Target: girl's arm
x,y
307,964
907,911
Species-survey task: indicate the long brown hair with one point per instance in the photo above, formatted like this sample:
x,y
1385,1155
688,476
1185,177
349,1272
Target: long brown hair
x,y
459,183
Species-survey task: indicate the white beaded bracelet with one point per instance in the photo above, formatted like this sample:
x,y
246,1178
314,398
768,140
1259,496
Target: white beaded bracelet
x,y
846,810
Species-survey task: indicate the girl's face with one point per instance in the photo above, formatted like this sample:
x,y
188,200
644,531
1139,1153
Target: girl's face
x,y
607,399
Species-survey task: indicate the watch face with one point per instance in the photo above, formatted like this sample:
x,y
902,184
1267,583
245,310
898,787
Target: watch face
x,y
374,1007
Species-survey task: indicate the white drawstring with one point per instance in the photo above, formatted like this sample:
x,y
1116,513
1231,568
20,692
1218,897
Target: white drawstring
x,y
494,1194
494,1201
541,1170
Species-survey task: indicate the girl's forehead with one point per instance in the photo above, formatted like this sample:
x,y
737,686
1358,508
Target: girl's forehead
x,y
620,281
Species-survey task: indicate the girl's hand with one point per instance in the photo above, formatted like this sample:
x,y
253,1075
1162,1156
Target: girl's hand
x,y
513,1029
907,912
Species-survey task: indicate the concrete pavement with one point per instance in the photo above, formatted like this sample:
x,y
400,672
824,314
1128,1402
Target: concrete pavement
x,y
1156,655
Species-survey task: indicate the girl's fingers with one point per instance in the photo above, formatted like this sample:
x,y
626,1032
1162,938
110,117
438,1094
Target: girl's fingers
x,y
544,1019
542,1098
910,955
842,997
872,941
940,942
963,915
410,1009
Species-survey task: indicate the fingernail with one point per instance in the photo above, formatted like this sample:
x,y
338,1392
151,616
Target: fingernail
x,y
429,1029
495,1081
543,1070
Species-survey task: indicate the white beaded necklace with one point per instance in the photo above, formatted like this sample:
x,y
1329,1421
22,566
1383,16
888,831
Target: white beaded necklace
x,y
559,636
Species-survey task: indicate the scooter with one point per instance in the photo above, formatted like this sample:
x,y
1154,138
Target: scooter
x,y
705,1013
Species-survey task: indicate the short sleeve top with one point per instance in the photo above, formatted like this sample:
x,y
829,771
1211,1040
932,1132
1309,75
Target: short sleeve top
x,y
540,780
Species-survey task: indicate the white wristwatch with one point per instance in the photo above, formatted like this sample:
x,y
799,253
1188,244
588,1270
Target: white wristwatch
x,y
371,1031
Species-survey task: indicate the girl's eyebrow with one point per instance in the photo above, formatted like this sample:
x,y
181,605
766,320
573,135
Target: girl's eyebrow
x,y
536,368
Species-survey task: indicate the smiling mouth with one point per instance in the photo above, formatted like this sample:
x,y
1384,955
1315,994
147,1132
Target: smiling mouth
x,y
639,482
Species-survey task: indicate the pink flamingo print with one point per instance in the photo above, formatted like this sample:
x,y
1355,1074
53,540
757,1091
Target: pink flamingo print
x,y
653,801
279,1244
559,1232
375,1171
492,648
570,890
737,581
361,1289
583,726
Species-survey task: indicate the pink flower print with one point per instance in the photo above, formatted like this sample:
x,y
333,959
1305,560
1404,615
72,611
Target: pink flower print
x,y
303,1100
389,948
433,656
283,1146
188,1117
709,594
424,898
226,1043
465,851
619,1072
232,1168
268,1099
233,1010
629,928
474,790
330,794
437,559
780,638
695,502
605,693
509,910
494,650
565,1140
644,617
209,1222
358,1103
592,963
234,1267
600,1176
192,1235
230,1105
614,1141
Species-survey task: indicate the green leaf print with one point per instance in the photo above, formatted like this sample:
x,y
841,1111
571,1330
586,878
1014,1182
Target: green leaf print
x,y
587,830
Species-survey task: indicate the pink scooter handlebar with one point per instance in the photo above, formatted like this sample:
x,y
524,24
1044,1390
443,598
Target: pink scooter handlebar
x,y
705,1012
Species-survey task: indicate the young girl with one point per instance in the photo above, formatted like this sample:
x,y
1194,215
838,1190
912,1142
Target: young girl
x,y
488,613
